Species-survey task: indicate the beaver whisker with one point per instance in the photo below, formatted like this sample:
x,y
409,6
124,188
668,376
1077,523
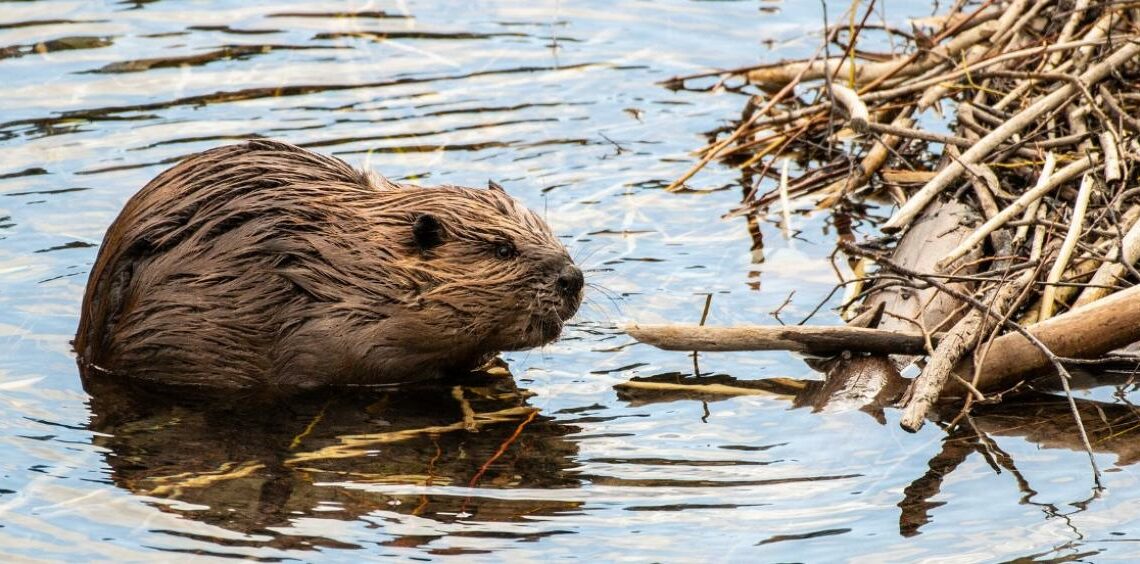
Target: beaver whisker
x,y
614,310
584,261
608,293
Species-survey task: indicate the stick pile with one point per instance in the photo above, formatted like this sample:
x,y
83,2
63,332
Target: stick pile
x,y
1029,114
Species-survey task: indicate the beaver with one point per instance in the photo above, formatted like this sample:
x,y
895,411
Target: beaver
x,y
266,265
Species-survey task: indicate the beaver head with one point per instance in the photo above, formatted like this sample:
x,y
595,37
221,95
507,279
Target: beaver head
x,y
484,263
264,263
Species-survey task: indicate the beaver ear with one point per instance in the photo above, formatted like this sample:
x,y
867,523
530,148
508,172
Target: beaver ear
x,y
427,232
492,185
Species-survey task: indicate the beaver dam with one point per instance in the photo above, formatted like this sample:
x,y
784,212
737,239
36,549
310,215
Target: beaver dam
x,y
1001,140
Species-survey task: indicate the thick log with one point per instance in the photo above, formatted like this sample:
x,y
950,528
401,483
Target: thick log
x,y
1088,331
937,231
820,341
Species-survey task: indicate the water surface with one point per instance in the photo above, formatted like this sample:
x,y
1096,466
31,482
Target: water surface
x,y
560,103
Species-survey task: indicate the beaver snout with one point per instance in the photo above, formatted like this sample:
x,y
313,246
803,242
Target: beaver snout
x,y
570,282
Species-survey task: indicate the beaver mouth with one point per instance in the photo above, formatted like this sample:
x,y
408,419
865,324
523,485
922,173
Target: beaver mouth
x,y
546,320
550,328
541,329
568,307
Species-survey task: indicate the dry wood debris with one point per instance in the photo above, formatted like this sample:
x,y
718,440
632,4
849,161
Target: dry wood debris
x,y
1027,112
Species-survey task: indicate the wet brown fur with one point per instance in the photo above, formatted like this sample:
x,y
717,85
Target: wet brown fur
x,y
266,264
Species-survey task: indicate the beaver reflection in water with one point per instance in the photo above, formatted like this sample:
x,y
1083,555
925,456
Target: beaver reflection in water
x,y
264,264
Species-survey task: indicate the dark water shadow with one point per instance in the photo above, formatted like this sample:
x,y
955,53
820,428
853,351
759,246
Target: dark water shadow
x,y
223,53
254,464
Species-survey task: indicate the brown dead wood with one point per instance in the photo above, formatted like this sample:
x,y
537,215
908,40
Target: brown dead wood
x,y
1037,153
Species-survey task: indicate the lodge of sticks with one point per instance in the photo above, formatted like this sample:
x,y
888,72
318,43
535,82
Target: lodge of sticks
x,y
1001,137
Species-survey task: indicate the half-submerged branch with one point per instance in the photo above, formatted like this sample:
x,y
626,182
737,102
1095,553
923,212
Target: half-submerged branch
x,y
1086,332
818,341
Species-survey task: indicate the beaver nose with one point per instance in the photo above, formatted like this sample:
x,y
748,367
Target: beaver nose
x,y
570,280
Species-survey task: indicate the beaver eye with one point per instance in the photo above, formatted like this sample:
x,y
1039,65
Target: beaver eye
x,y
505,251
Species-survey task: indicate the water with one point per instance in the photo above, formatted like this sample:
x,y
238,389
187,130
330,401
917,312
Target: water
x,y
559,102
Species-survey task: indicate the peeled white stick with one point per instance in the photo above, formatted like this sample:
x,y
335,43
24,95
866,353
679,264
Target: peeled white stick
x,y
990,142
1046,182
1114,269
856,110
785,201
1111,156
1071,238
